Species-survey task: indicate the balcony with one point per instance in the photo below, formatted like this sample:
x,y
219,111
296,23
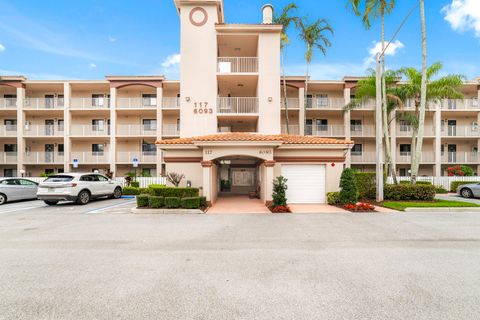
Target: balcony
x,y
83,130
89,103
406,157
293,129
237,65
8,157
237,105
362,130
171,103
43,103
136,103
44,158
170,130
8,130
407,131
460,131
460,104
292,103
136,130
8,103
91,157
363,157
143,157
326,103
460,157
325,130
43,131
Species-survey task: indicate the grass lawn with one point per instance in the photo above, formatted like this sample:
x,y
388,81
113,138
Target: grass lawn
x,y
401,205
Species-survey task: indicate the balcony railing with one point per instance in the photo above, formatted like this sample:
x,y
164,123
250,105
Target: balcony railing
x,y
44,157
89,130
171,103
460,131
293,129
136,103
325,130
142,157
407,131
406,157
170,130
89,103
8,130
237,105
8,103
136,129
362,130
363,157
325,103
292,103
460,104
91,157
237,64
460,157
8,157
43,103
43,131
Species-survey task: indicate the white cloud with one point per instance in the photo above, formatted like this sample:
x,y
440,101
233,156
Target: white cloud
x,y
171,61
92,65
112,39
391,50
463,15
2,47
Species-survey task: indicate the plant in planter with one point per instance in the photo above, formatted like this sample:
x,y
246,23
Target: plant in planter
x,y
279,198
175,178
349,191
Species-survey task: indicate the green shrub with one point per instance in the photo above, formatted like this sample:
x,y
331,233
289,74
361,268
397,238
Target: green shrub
x,y
203,202
142,200
155,185
349,191
366,185
455,184
130,191
440,190
155,202
424,183
190,203
405,182
172,202
280,187
407,192
146,191
162,191
333,198
135,184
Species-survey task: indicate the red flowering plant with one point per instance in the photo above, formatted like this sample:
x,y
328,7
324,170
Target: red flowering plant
x,y
459,171
359,207
280,209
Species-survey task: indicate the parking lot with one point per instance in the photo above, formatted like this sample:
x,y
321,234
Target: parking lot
x,y
99,261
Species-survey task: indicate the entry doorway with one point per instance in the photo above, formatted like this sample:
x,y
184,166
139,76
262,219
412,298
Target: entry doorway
x,y
239,175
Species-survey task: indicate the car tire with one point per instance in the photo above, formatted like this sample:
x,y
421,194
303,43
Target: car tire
x,y
50,202
117,193
83,197
3,199
466,193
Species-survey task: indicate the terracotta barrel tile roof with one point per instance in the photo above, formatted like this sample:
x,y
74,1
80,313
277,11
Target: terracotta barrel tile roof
x,y
238,137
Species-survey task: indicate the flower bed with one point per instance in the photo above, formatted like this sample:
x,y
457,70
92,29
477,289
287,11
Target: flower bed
x,y
359,207
280,209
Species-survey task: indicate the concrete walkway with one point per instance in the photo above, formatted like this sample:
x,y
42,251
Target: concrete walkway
x,y
232,204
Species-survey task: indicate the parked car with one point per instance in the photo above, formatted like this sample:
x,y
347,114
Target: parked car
x,y
77,187
471,190
12,189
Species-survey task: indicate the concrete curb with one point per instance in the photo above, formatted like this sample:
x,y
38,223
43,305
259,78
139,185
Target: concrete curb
x,y
451,209
166,211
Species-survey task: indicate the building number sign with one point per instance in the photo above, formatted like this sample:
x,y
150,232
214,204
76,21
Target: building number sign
x,y
202,108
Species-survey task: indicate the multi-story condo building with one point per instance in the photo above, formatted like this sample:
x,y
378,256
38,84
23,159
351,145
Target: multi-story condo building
x,y
229,82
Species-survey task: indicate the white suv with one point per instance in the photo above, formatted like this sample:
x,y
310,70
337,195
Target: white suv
x,y
78,187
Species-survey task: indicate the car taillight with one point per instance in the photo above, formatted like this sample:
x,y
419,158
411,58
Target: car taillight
x,y
71,185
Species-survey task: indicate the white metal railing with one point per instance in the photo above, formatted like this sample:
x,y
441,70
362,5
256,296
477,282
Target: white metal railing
x,y
406,157
89,130
90,103
293,129
144,181
170,130
237,105
325,130
237,64
136,103
171,103
43,130
460,131
34,157
8,157
91,157
143,157
460,104
362,130
8,103
136,129
460,157
8,130
325,103
292,103
407,131
43,103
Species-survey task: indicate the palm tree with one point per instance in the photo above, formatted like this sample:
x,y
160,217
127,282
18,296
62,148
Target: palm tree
x,y
373,9
314,35
285,19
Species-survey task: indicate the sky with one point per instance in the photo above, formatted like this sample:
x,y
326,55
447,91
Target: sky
x,y
89,39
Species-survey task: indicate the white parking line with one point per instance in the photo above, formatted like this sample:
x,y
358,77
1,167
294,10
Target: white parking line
x,y
100,210
19,209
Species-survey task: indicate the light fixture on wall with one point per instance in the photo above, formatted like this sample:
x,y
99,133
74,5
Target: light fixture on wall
x,y
270,99
188,99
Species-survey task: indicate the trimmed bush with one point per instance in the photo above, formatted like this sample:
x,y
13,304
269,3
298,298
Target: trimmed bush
x,y
172,202
146,191
279,197
155,202
455,184
349,191
406,192
169,192
365,182
190,203
142,200
130,191
424,183
333,198
135,184
440,190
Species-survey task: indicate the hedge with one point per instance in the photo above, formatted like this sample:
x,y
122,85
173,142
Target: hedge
x,y
190,203
407,192
203,202
172,202
169,192
146,191
135,184
455,184
142,200
333,198
365,182
130,191
155,202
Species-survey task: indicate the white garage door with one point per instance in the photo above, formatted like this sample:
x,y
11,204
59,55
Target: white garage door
x,y
306,183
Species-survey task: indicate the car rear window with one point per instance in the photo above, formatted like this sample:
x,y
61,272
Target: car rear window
x,y
61,178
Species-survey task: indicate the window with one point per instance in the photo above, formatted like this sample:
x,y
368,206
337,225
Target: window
x,y
8,172
149,124
404,172
151,148
10,124
98,124
309,100
10,100
475,126
9,147
356,125
98,149
322,124
89,178
101,178
60,100
60,148
442,149
24,182
149,100
59,178
98,100
357,149
405,149
309,124
61,125
178,124
146,172
322,100
9,182
404,126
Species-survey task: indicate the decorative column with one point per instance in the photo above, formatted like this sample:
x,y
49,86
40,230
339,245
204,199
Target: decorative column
x,y
159,128
301,113
20,126
346,124
207,179
113,130
67,119
269,176
438,140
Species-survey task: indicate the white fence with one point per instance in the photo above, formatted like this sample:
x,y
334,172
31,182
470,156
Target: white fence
x,y
144,181
443,182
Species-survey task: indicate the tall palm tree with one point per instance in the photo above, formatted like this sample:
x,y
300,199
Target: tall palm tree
x,y
285,19
314,35
371,10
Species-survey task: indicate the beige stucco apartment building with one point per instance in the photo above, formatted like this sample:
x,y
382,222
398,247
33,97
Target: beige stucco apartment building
x,y
229,83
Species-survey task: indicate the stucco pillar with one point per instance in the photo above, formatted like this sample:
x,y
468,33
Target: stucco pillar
x,y
269,176
346,124
67,119
207,179
438,140
301,113
393,138
113,130
159,128
478,141
20,126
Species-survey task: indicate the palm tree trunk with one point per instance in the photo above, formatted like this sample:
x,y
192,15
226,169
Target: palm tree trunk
x,y
285,92
423,98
